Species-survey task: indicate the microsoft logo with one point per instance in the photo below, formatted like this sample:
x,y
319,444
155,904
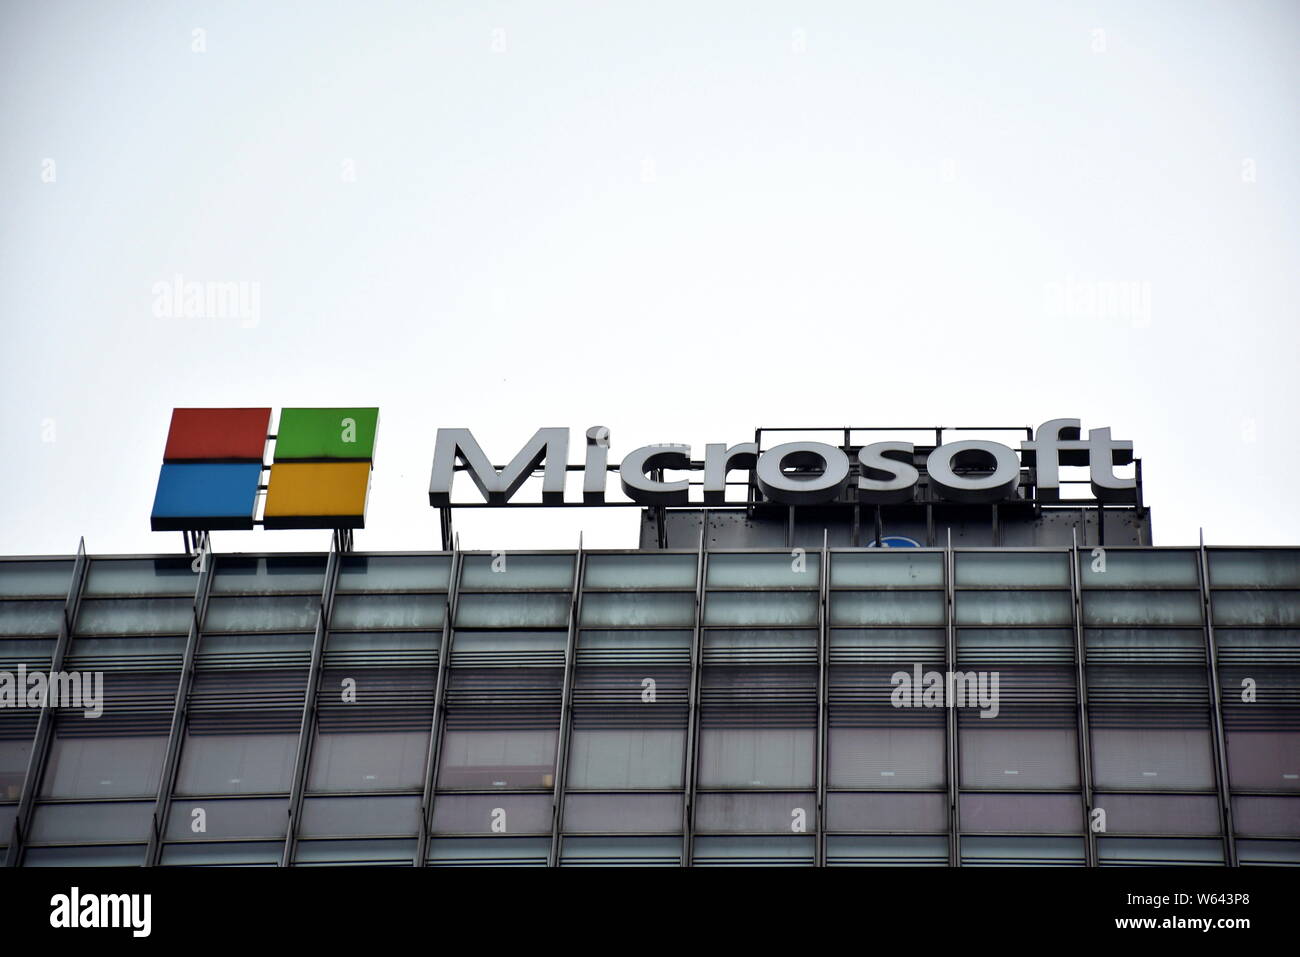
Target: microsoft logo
x,y
213,464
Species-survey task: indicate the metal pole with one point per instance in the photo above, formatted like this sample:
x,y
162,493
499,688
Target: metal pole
x,y
306,730
566,708
950,656
180,715
823,654
45,721
693,715
435,726
1081,706
1220,741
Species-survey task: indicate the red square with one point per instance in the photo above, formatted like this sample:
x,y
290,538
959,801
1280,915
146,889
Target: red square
x,y
217,435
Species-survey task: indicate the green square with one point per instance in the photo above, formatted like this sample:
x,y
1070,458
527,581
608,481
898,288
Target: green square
x,y
306,435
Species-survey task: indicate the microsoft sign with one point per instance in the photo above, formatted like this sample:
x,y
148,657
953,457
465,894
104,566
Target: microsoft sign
x,y
972,471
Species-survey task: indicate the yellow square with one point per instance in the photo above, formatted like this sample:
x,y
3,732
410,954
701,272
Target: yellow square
x,y
317,495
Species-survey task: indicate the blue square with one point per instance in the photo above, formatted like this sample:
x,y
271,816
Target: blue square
x,y
205,496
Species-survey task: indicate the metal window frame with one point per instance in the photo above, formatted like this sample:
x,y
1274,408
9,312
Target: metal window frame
x,y
180,714
45,721
307,730
558,779
1219,738
434,754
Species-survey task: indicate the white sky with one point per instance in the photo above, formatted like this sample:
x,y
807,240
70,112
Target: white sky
x,y
679,220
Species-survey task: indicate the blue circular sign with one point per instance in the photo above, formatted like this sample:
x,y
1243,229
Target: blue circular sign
x,y
895,541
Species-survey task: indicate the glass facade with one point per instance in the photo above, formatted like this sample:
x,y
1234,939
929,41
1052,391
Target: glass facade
x,y
781,707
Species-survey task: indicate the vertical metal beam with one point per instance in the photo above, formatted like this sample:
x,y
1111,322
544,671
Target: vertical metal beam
x,y
1081,707
45,720
566,709
444,526
823,655
950,658
439,707
307,729
180,711
1220,739
691,762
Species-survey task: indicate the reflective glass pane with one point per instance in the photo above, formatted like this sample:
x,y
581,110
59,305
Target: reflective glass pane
x,y
508,570
360,816
1152,758
267,576
846,811
1021,813
1257,608
773,851
140,616
1268,853
762,811
208,854
104,821
15,753
381,851
1022,569
794,569
295,613
621,851
607,609
757,757
236,763
897,568
500,758
1142,608
623,757
30,617
1018,757
1014,608
1160,851
527,610
388,611
95,855
1260,816
370,761
640,571
217,819
496,851
642,813
1159,813
888,608
887,850
492,814
760,608
104,766
888,757
141,576
1265,568
378,573
1264,759
1021,851
1147,567
39,579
